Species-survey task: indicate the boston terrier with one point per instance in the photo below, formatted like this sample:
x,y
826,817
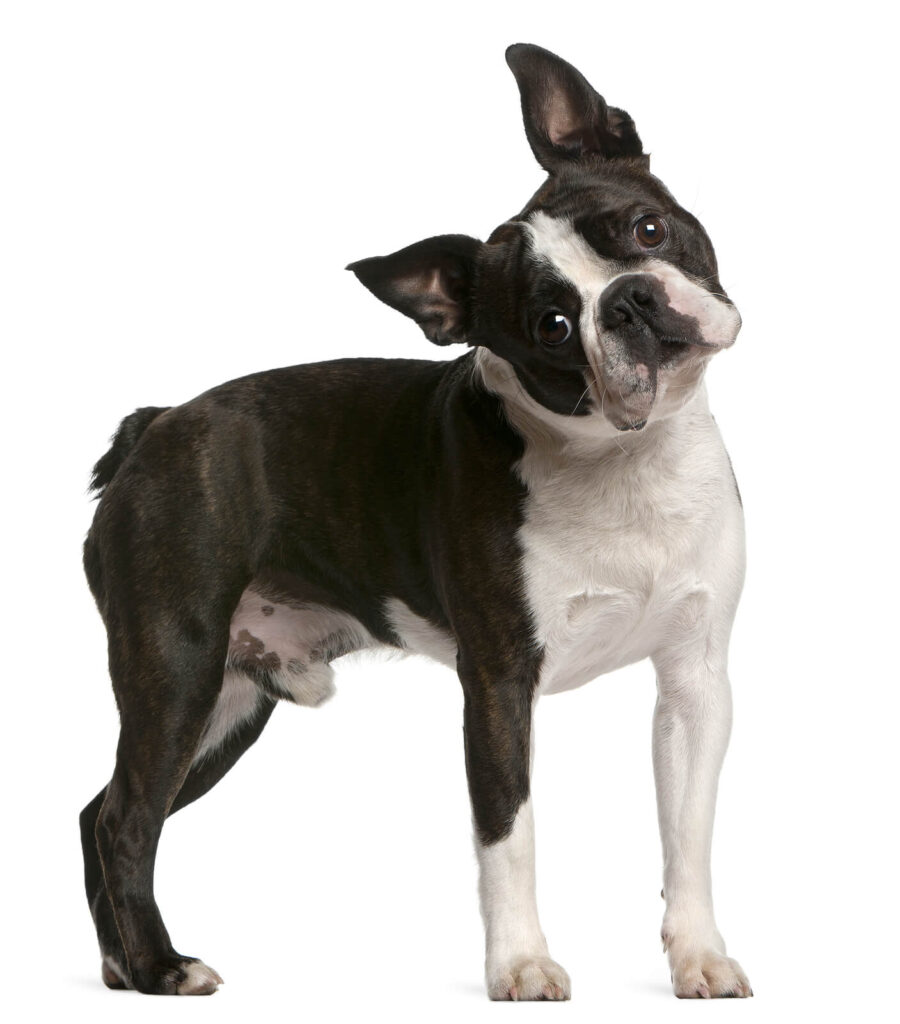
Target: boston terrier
x,y
552,505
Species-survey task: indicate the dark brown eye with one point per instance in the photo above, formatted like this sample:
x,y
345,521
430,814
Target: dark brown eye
x,y
650,232
554,328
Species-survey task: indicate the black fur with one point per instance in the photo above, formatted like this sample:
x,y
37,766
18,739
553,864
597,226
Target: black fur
x,y
565,118
344,484
270,479
124,439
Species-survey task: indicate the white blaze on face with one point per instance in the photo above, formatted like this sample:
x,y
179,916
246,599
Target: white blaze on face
x,y
558,244
624,389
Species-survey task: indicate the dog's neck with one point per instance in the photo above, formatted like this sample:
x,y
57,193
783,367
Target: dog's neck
x,y
592,437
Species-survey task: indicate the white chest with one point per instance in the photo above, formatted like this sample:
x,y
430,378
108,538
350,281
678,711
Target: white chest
x,y
622,555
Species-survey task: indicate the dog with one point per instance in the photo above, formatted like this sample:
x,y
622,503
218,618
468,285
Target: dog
x,y
552,505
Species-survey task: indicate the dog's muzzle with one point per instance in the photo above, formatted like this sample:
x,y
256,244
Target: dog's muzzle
x,y
649,323
636,307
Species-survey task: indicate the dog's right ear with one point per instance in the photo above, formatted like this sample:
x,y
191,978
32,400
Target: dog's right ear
x,y
430,281
565,117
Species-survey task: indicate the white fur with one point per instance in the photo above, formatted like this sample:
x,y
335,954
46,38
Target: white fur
x,y
199,980
301,637
418,635
623,547
517,965
617,385
719,322
239,700
556,242
632,547
565,251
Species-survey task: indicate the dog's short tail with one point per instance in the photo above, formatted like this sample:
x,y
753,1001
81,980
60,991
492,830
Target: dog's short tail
x,y
125,438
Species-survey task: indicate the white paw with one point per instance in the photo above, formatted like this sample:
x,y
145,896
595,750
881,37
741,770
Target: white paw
x,y
199,980
536,977
708,975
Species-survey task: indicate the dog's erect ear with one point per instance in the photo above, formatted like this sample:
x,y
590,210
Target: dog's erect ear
x,y
430,281
565,117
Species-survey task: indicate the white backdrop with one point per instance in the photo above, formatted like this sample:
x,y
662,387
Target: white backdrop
x,y
181,186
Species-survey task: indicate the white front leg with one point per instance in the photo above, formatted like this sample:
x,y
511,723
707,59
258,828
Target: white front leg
x,y
517,964
691,725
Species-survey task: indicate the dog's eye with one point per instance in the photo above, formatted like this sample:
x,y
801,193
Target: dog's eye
x,y
650,232
554,328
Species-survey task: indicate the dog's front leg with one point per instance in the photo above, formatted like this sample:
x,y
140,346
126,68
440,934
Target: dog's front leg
x,y
498,720
691,726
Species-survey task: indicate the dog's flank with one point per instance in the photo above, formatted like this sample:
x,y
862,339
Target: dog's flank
x,y
550,506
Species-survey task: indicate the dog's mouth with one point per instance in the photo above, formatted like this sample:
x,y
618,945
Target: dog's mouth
x,y
626,389
672,349
624,411
655,333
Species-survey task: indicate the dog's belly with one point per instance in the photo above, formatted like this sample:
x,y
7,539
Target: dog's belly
x,y
278,650
286,647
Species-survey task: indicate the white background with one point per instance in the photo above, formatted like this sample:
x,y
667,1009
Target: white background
x,y
181,186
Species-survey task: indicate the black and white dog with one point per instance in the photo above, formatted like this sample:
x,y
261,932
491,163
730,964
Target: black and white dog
x,y
552,505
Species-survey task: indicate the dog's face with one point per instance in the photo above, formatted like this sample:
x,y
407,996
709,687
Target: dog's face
x,y
602,294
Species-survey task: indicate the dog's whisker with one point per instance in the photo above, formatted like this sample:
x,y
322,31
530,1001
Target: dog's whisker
x,y
583,393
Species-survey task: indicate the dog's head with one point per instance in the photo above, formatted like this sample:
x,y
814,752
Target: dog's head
x,y
602,294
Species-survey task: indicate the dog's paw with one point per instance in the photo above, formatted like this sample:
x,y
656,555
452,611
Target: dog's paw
x,y
177,976
708,975
536,977
199,980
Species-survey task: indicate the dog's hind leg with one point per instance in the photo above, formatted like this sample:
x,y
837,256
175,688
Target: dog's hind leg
x,y
224,742
114,965
167,674
171,549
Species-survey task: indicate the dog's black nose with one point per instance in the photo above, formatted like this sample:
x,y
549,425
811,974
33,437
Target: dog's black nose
x,y
631,299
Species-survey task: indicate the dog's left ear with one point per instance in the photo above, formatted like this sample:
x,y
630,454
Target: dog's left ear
x,y
430,281
565,117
